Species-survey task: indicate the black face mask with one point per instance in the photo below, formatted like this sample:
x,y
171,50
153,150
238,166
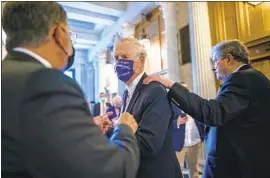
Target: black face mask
x,y
70,59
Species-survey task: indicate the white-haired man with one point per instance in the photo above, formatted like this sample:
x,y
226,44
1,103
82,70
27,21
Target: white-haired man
x,y
151,109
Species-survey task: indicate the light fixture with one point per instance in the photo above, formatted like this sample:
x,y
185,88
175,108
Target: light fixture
x,y
254,3
144,40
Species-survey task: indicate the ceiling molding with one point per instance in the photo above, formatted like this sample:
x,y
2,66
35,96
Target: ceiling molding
x,y
91,18
133,11
82,46
107,8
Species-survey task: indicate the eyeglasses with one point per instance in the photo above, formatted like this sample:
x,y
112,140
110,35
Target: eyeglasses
x,y
73,37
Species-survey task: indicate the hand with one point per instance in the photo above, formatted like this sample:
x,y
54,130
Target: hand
x,y
129,120
167,83
182,120
103,122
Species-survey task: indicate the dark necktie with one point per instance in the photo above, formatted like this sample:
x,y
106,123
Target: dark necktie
x,y
125,97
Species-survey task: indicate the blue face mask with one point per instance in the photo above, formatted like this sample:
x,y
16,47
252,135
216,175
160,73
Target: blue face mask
x,y
124,69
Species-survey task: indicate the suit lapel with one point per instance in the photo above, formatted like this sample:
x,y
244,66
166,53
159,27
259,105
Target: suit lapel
x,y
136,94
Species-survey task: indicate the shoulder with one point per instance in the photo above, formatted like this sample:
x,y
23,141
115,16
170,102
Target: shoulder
x,y
153,92
51,79
154,88
237,78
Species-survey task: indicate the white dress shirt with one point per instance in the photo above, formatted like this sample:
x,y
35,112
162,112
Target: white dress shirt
x,y
192,136
35,56
131,88
102,108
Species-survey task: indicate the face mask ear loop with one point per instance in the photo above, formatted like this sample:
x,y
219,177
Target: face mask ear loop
x,y
59,44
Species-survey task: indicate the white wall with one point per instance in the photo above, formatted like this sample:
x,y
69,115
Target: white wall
x,y
183,20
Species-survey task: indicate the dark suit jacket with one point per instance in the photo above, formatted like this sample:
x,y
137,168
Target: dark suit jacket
x,y
179,133
96,111
113,110
238,141
47,130
152,110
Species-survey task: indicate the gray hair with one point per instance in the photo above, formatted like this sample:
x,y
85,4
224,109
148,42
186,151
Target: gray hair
x,y
117,99
235,48
28,23
142,51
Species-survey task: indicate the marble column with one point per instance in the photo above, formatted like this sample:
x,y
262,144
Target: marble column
x,y
172,61
200,39
102,61
203,76
4,37
90,83
96,69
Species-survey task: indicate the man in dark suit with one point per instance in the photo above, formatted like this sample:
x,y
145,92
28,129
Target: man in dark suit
x,y
47,129
150,106
101,107
237,117
179,120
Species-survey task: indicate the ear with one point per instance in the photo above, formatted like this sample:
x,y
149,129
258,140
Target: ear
x,y
63,40
229,58
59,35
142,58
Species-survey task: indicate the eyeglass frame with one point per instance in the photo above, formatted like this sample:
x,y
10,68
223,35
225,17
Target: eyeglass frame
x,y
73,41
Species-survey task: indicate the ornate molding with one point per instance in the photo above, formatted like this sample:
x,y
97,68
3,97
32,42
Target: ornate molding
x,y
163,8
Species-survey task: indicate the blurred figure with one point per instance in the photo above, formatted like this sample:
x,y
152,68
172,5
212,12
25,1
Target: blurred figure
x,y
101,107
193,137
46,126
150,106
238,116
179,120
116,108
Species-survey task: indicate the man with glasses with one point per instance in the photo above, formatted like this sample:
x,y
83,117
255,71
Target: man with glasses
x,y
47,129
238,143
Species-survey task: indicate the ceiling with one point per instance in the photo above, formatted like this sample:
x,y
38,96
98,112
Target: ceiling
x,y
95,23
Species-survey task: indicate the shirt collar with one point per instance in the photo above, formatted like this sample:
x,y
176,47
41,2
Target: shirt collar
x,y
35,56
131,88
239,68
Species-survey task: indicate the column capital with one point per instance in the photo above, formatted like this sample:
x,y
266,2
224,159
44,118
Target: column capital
x,y
166,7
128,30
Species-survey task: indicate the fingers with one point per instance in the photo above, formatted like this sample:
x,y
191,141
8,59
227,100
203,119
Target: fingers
x,y
109,113
128,120
150,79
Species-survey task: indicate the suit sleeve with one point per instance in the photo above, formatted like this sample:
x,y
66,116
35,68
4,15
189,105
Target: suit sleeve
x,y
63,141
154,122
231,104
